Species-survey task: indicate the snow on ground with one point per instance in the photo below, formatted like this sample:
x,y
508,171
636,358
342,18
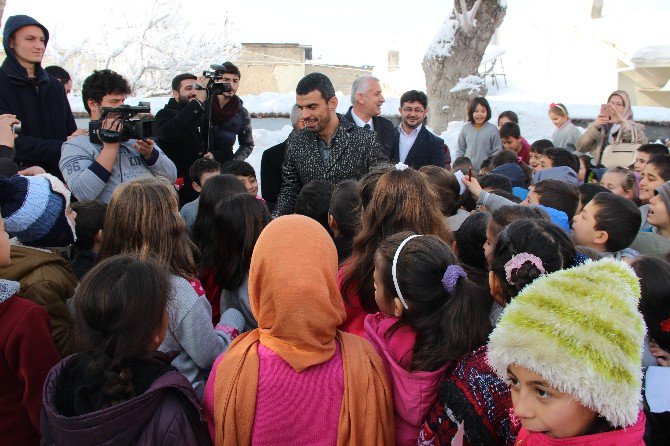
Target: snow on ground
x,y
533,118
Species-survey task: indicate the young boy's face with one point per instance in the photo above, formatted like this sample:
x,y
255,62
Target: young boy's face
x,y
545,163
541,408
658,213
649,181
584,232
203,179
4,245
641,160
511,143
250,183
533,198
535,160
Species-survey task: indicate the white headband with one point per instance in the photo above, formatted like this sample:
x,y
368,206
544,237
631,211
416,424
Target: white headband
x,y
394,268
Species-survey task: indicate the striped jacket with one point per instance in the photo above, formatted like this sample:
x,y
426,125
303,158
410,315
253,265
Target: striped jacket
x,y
354,151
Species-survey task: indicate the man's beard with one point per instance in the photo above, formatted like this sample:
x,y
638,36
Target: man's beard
x,y
183,100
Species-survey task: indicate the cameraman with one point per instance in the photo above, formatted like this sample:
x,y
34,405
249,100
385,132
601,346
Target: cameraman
x,y
179,124
230,120
92,170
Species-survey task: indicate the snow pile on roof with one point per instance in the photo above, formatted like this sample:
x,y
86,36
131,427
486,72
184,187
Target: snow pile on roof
x,y
655,54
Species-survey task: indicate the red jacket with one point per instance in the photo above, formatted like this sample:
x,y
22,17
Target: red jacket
x,y
27,352
631,436
524,154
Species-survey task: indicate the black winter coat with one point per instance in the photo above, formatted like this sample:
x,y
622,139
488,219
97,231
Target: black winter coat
x,y
224,135
180,139
42,107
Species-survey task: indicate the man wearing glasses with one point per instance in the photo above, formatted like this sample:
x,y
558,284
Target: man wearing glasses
x,y
414,145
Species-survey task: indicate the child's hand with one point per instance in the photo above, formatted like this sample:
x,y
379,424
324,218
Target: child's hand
x,y
662,356
473,186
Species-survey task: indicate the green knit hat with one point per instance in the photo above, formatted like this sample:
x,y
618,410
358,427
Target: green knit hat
x,y
581,331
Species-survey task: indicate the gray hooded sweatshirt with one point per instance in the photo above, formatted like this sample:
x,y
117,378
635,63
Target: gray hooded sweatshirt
x,y
88,180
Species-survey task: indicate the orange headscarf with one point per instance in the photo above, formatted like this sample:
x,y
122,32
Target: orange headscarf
x,y
295,299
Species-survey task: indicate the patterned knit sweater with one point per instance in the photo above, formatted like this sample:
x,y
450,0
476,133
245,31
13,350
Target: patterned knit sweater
x,y
472,394
354,151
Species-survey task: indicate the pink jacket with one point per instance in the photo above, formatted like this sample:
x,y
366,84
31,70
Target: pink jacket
x,y
414,393
631,436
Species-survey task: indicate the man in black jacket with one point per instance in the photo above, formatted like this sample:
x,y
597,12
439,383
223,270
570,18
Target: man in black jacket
x,y
413,144
272,161
366,108
37,99
179,129
327,148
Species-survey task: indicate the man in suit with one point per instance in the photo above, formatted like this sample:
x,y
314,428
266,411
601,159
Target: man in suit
x,y
366,108
413,144
271,163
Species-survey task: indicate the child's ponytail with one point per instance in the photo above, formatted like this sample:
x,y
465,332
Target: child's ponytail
x,y
120,307
448,312
525,250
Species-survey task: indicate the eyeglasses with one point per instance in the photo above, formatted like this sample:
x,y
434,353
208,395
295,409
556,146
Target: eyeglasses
x,y
415,110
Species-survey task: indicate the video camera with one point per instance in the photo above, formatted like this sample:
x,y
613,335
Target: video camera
x,y
138,128
215,73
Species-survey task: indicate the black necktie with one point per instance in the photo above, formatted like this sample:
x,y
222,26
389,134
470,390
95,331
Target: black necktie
x,y
367,127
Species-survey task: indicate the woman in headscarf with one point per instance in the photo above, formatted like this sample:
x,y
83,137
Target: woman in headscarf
x,y
297,379
615,116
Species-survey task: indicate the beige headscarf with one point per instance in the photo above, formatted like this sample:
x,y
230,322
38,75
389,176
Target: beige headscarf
x,y
295,299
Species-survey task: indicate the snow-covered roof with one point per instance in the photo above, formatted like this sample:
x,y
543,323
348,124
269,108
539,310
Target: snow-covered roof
x,y
652,55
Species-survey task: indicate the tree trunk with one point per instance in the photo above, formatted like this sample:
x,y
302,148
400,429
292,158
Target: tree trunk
x,y
455,54
2,8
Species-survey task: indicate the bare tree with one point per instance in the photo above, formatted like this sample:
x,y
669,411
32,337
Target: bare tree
x,y
452,60
2,8
148,43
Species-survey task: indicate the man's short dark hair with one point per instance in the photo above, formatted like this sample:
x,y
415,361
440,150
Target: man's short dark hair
x,y
558,195
200,166
176,82
59,73
238,167
414,96
314,201
561,157
662,164
653,149
510,130
541,145
617,216
101,83
345,207
230,68
495,181
316,81
89,220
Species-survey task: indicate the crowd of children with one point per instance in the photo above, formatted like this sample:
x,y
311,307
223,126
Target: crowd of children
x,y
520,298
